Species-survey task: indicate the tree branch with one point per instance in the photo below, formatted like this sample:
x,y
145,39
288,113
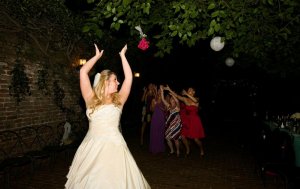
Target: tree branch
x,y
38,43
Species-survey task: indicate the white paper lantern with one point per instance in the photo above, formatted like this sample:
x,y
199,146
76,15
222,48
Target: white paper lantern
x,y
229,61
216,44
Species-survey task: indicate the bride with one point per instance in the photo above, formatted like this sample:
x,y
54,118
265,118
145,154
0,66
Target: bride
x,y
103,159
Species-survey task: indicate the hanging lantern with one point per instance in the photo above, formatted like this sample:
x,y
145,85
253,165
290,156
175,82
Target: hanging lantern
x,y
216,44
229,61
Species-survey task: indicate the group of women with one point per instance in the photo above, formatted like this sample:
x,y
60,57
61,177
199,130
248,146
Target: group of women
x,y
172,118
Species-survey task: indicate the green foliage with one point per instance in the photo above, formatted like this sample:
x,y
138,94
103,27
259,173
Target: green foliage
x,y
255,28
19,87
265,30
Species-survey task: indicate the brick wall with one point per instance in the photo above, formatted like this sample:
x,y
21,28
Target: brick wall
x,y
37,108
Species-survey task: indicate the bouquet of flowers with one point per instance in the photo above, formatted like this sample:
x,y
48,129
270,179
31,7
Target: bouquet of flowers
x,y
143,44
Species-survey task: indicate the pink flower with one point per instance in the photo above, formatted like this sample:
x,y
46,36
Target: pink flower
x,y
143,44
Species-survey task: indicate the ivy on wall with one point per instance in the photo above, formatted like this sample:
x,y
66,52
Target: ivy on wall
x,y
42,80
59,95
19,86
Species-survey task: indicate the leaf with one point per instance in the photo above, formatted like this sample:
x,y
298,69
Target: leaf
x,y
194,14
174,33
117,26
213,23
270,2
99,33
112,25
217,27
215,14
108,7
172,27
85,28
222,14
113,10
210,31
126,2
146,10
211,6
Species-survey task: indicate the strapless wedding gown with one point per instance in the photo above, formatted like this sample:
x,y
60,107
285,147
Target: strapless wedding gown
x,y
103,160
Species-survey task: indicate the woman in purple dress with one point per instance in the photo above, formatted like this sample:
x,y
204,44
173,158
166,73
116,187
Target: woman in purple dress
x,y
148,96
157,128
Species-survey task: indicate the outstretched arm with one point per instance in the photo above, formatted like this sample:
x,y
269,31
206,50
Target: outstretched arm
x,y
85,84
126,85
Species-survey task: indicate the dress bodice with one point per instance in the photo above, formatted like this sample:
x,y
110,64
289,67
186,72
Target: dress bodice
x,y
191,110
104,120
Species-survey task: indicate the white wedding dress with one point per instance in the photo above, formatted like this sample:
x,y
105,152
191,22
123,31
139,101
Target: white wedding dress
x,y
103,160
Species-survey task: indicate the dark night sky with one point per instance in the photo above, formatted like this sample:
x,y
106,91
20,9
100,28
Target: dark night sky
x,y
204,69
182,66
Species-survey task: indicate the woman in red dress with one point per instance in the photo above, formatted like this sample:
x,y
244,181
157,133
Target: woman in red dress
x,y
192,125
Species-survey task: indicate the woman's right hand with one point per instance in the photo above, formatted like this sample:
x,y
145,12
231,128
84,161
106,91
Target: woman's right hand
x,y
161,87
98,52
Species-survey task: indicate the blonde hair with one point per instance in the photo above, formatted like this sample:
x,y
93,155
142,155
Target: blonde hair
x,y
99,91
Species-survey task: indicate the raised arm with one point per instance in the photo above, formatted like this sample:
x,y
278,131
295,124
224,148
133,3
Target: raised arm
x,y
85,84
163,98
194,99
176,95
176,101
144,94
126,85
